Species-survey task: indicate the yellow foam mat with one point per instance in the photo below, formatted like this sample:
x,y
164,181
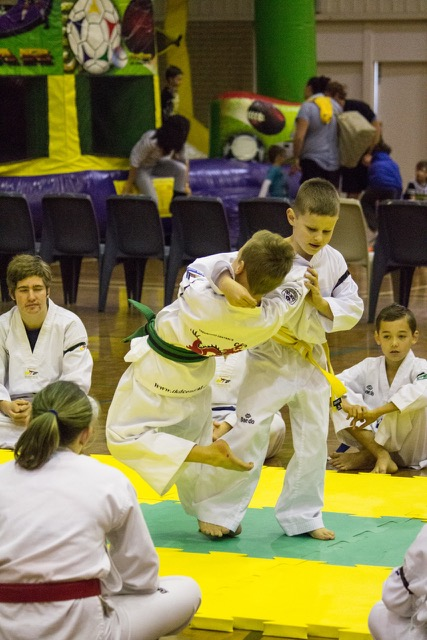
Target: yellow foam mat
x,y
291,597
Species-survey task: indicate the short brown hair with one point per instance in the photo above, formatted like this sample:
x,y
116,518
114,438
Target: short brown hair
x,y
25,266
396,312
268,258
317,196
274,151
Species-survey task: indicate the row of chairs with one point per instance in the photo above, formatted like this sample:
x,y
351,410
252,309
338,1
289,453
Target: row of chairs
x,y
134,234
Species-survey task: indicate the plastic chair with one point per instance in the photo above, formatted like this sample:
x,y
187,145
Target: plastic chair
x,y
263,213
134,234
370,200
16,233
69,234
350,236
199,228
401,244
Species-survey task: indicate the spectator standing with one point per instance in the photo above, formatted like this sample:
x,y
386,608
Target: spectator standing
x,y
316,152
355,180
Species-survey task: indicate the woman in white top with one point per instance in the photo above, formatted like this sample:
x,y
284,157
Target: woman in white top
x,y
59,578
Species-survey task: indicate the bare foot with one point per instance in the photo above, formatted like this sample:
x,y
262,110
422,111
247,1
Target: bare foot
x,y
322,534
218,454
385,464
220,429
216,531
352,461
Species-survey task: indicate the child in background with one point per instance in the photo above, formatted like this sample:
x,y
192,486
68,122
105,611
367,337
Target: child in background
x,y
225,385
384,181
290,369
417,189
275,184
170,95
387,395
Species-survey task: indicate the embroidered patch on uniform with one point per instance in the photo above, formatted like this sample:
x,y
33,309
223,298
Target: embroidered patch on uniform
x,y
290,294
247,418
30,373
369,390
422,376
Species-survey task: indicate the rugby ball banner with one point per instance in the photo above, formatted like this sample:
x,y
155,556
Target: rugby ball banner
x,y
269,120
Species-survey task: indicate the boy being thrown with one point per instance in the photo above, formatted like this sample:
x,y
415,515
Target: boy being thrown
x,y
160,415
290,369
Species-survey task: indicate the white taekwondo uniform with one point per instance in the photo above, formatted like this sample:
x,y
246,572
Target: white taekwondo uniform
x,y
276,375
61,353
225,385
402,433
55,522
402,613
162,408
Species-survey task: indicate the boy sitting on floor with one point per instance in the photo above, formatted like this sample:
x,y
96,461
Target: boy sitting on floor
x,y
384,413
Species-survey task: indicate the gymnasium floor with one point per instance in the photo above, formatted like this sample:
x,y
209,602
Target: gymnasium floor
x,y
264,584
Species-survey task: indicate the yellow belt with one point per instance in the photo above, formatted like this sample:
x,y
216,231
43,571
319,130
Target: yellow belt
x,y
305,349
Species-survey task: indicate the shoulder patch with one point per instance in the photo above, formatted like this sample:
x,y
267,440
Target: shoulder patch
x,y
290,294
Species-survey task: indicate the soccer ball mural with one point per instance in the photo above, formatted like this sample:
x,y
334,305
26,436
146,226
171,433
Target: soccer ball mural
x,y
93,31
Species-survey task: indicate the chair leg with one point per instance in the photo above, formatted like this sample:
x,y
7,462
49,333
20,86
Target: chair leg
x,y
379,270
406,275
130,277
70,273
172,267
139,277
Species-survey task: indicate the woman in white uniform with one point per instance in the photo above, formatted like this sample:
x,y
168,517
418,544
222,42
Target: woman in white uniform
x,y
59,579
39,343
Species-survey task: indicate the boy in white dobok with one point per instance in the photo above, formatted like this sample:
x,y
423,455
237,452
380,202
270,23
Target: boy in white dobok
x,y
160,417
225,385
384,412
290,369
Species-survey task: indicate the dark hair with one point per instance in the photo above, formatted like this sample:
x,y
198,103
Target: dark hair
x,y
59,413
381,146
318,196
173,133
396,312
422,164
318,84
268,258
172,71
274,151
25,266
336,90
